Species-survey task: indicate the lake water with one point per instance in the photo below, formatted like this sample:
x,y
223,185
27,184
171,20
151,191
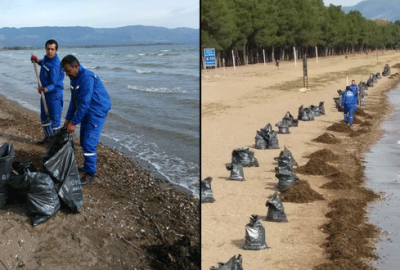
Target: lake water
x,y
154,92
383,175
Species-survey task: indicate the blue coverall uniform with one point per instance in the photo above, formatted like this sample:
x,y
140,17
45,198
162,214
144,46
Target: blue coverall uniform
x,y
354,88
349,103
52,77
89,106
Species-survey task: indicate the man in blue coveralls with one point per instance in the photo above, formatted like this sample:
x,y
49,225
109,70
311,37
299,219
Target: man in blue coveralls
x,y
349,103
51,77
89,106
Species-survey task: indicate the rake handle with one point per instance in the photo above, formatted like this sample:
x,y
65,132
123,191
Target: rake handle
x,y
41,92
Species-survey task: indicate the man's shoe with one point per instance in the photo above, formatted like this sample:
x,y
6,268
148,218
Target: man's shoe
x,y
87,179
81,169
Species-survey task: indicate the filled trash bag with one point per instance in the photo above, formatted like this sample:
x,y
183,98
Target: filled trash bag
x,y
292,121
7,155
373,76
206,192
276,212
318,110
255,234
261,142
386,70
286,178
236,171
378,76
286,159
42,198
283,127
233,264
56,142
63,170
370,82
245,157
22,168
270,137
305,114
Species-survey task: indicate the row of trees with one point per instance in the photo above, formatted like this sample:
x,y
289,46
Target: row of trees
x,y
253,27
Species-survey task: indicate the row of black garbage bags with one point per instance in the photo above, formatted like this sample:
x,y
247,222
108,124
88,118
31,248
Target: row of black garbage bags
x,y
44,193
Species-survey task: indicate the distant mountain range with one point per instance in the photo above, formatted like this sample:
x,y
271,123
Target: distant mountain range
x,y
388,10
87,36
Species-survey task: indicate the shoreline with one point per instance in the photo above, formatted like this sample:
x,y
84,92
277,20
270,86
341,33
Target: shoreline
x,y
304,236
164,182
129,217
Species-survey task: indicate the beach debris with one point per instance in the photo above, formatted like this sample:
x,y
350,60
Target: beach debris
x,y
292,121
276,211
324,155
305,114
266,138
283,127
235,263
326,138
206,192
386,70
378,76
300,192
7,155
245,157
236,171
316,166
255,234
340,127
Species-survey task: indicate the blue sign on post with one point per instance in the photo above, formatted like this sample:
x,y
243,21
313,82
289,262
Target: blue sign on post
x,y
209,55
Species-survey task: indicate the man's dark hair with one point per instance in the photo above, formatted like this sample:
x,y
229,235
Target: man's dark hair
x,y
71,60
51,41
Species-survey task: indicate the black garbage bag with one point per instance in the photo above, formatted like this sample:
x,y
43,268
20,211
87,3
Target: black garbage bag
x,y
305,114
378,76
338,103
283,127
7,155
42,198
63,170
286,178
370,82
320,109
236,171
276,212
255,234
286,159
233,264
270,136
56,142
292,121
386,70
245,157
206,192
261,142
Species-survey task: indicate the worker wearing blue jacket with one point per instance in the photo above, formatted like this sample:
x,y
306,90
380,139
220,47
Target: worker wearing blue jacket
x,y
89,106
51,77
349,103
354,87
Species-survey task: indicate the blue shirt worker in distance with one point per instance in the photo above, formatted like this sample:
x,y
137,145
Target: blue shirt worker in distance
x,y
89,106
354,87
349,103
51,77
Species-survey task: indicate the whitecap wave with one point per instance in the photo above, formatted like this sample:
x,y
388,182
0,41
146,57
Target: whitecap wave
x,y
143,71
162,90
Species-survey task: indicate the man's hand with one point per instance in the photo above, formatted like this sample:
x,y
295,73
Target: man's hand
x,y
66,122
71,127
42,89
34,59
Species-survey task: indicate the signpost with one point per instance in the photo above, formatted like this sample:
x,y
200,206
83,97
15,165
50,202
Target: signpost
x,y
209,55
305,77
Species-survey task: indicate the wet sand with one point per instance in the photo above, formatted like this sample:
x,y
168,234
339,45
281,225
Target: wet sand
x,y
318,234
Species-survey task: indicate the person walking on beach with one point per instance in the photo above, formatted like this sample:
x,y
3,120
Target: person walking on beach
x,y
51,77
89,106
349,103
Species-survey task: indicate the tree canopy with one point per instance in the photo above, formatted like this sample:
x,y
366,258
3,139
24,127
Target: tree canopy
x,y
249,26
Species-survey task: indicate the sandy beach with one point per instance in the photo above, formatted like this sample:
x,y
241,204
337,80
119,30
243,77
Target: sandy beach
x,y
238,102
130,219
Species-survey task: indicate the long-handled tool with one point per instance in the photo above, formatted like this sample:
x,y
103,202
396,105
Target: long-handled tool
x,y
46,124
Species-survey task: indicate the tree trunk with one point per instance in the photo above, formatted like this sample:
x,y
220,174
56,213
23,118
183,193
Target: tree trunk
x,y
273,54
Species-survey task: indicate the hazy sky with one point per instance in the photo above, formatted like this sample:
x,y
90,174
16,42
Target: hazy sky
x,y
99,13
343,3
